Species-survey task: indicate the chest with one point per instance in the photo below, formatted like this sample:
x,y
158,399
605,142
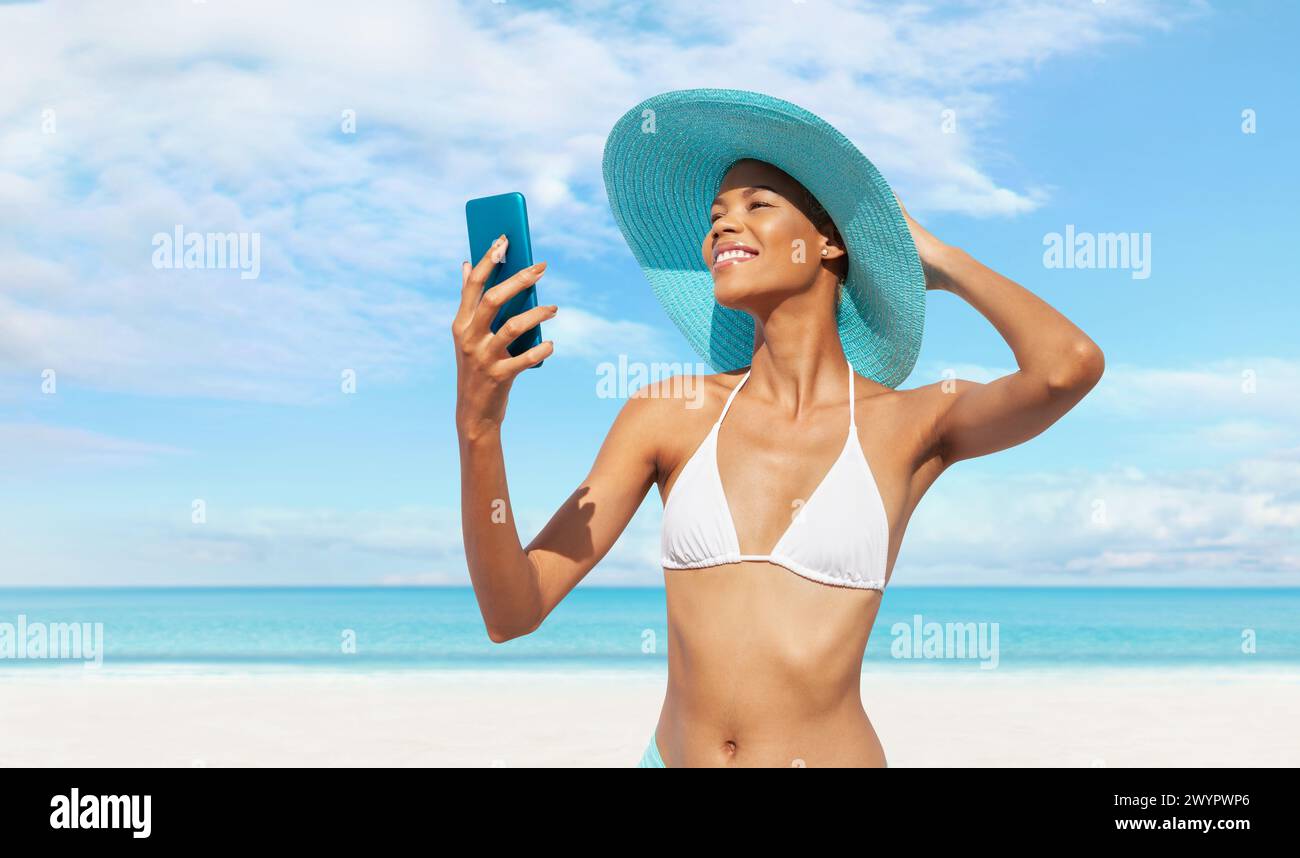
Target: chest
x,y
771,470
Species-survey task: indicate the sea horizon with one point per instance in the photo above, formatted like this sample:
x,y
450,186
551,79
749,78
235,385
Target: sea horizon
x,y
413,627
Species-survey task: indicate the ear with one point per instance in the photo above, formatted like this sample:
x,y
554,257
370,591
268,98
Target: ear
x,y
834,244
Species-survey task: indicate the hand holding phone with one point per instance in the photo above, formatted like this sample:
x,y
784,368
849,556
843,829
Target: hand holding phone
x,y
494,345
488,218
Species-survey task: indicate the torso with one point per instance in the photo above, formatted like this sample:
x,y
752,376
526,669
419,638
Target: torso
x,y
764,665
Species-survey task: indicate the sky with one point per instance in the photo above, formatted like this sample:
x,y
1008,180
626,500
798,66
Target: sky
x,y
202,426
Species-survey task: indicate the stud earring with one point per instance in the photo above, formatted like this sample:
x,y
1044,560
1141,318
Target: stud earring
x,y
824,251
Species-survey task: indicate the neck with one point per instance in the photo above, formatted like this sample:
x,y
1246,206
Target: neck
x,y
798,362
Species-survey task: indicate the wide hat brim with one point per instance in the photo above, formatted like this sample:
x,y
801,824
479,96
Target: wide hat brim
x,y
664,161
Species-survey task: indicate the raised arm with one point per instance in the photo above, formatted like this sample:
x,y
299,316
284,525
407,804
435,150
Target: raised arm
x,y
1058,363
517,588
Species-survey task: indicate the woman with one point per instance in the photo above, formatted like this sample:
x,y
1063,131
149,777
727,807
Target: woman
x,y
781,521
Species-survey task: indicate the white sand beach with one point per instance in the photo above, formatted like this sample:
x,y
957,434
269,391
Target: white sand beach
x,y
1113,718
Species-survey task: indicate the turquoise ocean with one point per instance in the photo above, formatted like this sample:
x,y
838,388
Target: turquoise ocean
x,y
393,628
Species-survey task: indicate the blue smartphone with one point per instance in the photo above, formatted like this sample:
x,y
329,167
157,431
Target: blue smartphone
x,y
488,218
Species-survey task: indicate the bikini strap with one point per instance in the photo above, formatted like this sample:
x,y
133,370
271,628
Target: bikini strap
x,y
734,391
852,422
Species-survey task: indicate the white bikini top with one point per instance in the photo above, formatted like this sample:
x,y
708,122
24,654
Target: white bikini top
x,y
840,535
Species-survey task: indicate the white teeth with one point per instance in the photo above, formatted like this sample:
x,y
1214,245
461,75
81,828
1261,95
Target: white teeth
x,y
733,254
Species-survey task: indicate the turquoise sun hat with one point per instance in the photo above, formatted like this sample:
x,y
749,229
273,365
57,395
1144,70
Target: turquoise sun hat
x,y
663,164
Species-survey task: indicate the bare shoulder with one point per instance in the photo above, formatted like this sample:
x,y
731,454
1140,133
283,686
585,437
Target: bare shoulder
x,y
673,414
910,416
679,400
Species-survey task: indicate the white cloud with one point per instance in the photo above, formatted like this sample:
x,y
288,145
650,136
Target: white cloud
x,y
1242,433
1230,525
409,531
1228,389
579,333
226,117
31,447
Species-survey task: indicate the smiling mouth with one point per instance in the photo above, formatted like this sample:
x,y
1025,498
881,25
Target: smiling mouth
x,y
732,257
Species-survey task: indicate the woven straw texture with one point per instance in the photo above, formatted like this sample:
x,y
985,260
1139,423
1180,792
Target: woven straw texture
x,y
662,169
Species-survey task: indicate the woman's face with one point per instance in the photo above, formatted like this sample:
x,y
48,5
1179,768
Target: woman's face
x,y
761,245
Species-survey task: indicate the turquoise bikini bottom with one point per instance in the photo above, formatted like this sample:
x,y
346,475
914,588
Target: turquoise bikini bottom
x,y
651,759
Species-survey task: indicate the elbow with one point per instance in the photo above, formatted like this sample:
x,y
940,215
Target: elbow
x,y
500,633
1080,370
497,635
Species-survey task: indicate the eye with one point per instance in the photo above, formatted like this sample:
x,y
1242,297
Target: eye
x,y
752,203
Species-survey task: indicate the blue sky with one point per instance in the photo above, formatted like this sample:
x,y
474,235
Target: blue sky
x,y
177,385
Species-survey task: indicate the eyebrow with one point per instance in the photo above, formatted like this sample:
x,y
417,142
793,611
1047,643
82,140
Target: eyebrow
x,y
748,192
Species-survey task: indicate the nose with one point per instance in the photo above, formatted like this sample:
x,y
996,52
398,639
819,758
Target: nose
x,y
723,224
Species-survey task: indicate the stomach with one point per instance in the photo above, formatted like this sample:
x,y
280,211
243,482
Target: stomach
x,y
764,669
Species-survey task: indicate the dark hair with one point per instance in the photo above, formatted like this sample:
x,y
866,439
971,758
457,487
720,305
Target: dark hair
x,y
816,211
821,219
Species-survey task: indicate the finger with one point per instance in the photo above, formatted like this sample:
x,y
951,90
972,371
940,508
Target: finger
x,y
472,284
468,297
516,326
491,258
496,297
902,208
538,353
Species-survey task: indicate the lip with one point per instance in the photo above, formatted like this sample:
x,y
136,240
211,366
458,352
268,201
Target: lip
x,y
730,245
